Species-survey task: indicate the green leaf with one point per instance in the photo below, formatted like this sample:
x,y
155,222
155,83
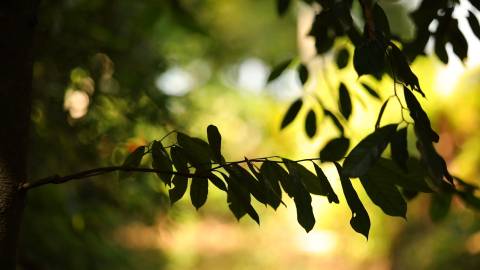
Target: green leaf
x,y
292,112
179,160
303,73
197,151
215,142
380,114
372,92
399,149
344,102
311,124
360,220
199,191
439,206
161,161
279,69
342,58
282,6
133,160
368,151
384,194
332,197
474,24
310,181
180,184
335,120
335,149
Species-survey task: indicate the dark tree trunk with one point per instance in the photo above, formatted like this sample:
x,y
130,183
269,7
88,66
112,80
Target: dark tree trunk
x,y
17,20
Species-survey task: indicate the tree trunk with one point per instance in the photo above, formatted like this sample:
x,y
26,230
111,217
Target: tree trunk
x,y
17,20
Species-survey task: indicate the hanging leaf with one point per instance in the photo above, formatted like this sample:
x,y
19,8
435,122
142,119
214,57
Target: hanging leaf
x,y
302,199
439,206
199,191
282,6
384,194
133,160
342,58
474,24
335,120
197,151
275,171
238,198
399,149
370,91
272,183
306,177
380,114
180,184
423,128
344,102
401,68
368,151
360,220
243,177
216,181
279,69
215,142
179,160
292,112
459,42
369,58
311,124
161,161
332,197
303,73
381,21
335,149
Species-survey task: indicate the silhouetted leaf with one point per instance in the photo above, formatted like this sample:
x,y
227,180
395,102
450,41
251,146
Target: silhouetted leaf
x,y
282,6
369,58
380,114
344,102
292,112
199,191
459,43
474,24
303,73
278,70
243,177
423,128
335,149
180,184
272,182
197,151
439,206
216,181
372,92
399,149
311,124
179,160
359,221
332,197
335,120
381,21
161,161
384,194
277,173
342,58
401,68
238,199
215,142
367,151
302,198
309,180
133,160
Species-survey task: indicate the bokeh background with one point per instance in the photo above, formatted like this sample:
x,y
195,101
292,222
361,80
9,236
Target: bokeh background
x,y
113,75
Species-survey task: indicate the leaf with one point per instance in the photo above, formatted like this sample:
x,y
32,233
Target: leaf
x,y
335,149
303,73
369,58
274,173
302,198
278,70
367,151
342,58
282,6
423,128
381,21
244,178
401,68
238,199
197,151
161,161
306,177
216,181
198,191
215,142
133,160
179,160
360,220
459,43
439,206
292,112
399,149
335,120
474,24
384,194
311,124
272,182
380,114
180,184
344,102
332,197
372,92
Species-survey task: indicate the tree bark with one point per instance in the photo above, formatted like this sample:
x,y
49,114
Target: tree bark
x,y
17,20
